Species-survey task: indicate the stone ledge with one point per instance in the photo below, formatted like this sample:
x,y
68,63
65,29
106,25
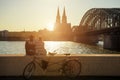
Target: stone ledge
x,y
85,55
91,64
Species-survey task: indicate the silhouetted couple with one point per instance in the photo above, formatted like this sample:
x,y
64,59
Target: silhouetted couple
x,y
35,47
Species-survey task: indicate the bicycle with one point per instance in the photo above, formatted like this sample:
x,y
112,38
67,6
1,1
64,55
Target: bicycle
x,y
68,67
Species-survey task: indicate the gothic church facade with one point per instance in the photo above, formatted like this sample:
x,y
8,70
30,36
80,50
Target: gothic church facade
x,y
61,25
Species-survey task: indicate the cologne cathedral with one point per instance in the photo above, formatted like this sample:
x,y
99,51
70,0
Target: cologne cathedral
x,y
61,25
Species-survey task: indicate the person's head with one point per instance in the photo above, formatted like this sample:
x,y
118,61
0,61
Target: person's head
x,y
40,39
31,37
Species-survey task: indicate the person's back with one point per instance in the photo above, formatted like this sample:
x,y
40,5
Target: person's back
x,y
39,46
30,46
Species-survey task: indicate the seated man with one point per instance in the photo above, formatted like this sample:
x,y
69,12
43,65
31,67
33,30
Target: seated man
x,y
30,46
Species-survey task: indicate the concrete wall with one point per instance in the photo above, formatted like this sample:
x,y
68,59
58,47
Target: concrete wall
x,y
91,64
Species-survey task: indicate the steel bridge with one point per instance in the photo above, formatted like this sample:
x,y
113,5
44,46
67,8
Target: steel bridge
x,y
100,21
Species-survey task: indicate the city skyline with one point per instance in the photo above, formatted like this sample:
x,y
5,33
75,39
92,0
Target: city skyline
x,y
33,15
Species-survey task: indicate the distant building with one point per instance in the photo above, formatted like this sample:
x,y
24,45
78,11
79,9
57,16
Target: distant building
x,y
4,33
62,27
16,36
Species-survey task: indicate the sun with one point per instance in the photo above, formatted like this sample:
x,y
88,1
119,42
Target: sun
x,y
50,26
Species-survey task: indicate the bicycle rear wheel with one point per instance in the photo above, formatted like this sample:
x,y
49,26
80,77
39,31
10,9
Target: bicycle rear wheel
x,y
28,70
72,68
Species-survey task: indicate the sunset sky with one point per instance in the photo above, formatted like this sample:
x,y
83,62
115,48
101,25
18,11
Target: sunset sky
x,y
33,15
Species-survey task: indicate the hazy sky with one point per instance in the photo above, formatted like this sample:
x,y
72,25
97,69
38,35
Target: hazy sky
x,y
33,15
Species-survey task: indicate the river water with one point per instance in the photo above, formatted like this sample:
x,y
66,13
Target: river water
x,y
60,47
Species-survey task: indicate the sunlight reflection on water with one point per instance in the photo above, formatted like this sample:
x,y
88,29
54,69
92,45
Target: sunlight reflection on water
x,y
60,47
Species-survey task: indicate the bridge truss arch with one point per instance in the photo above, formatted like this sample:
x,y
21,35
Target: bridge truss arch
x,y
99,18
97,22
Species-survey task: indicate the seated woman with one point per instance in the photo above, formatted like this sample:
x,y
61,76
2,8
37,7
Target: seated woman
x,y
39,47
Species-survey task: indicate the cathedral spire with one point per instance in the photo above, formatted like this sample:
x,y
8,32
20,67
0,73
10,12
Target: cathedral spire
x,y
58,16
64,14
64,17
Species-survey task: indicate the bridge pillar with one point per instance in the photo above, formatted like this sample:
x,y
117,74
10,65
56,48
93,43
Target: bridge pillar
x,y
112,42
86,39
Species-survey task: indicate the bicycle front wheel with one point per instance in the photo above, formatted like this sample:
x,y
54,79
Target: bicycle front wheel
x,y
72,68
28,70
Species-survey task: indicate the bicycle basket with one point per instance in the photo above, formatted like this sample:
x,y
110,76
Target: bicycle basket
x,y
44,64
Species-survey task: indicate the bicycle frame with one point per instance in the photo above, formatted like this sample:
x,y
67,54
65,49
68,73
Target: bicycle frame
x,y
68,66
39,62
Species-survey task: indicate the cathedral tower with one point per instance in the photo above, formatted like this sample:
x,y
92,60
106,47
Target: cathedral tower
x,y
64,17
61,26
58,16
